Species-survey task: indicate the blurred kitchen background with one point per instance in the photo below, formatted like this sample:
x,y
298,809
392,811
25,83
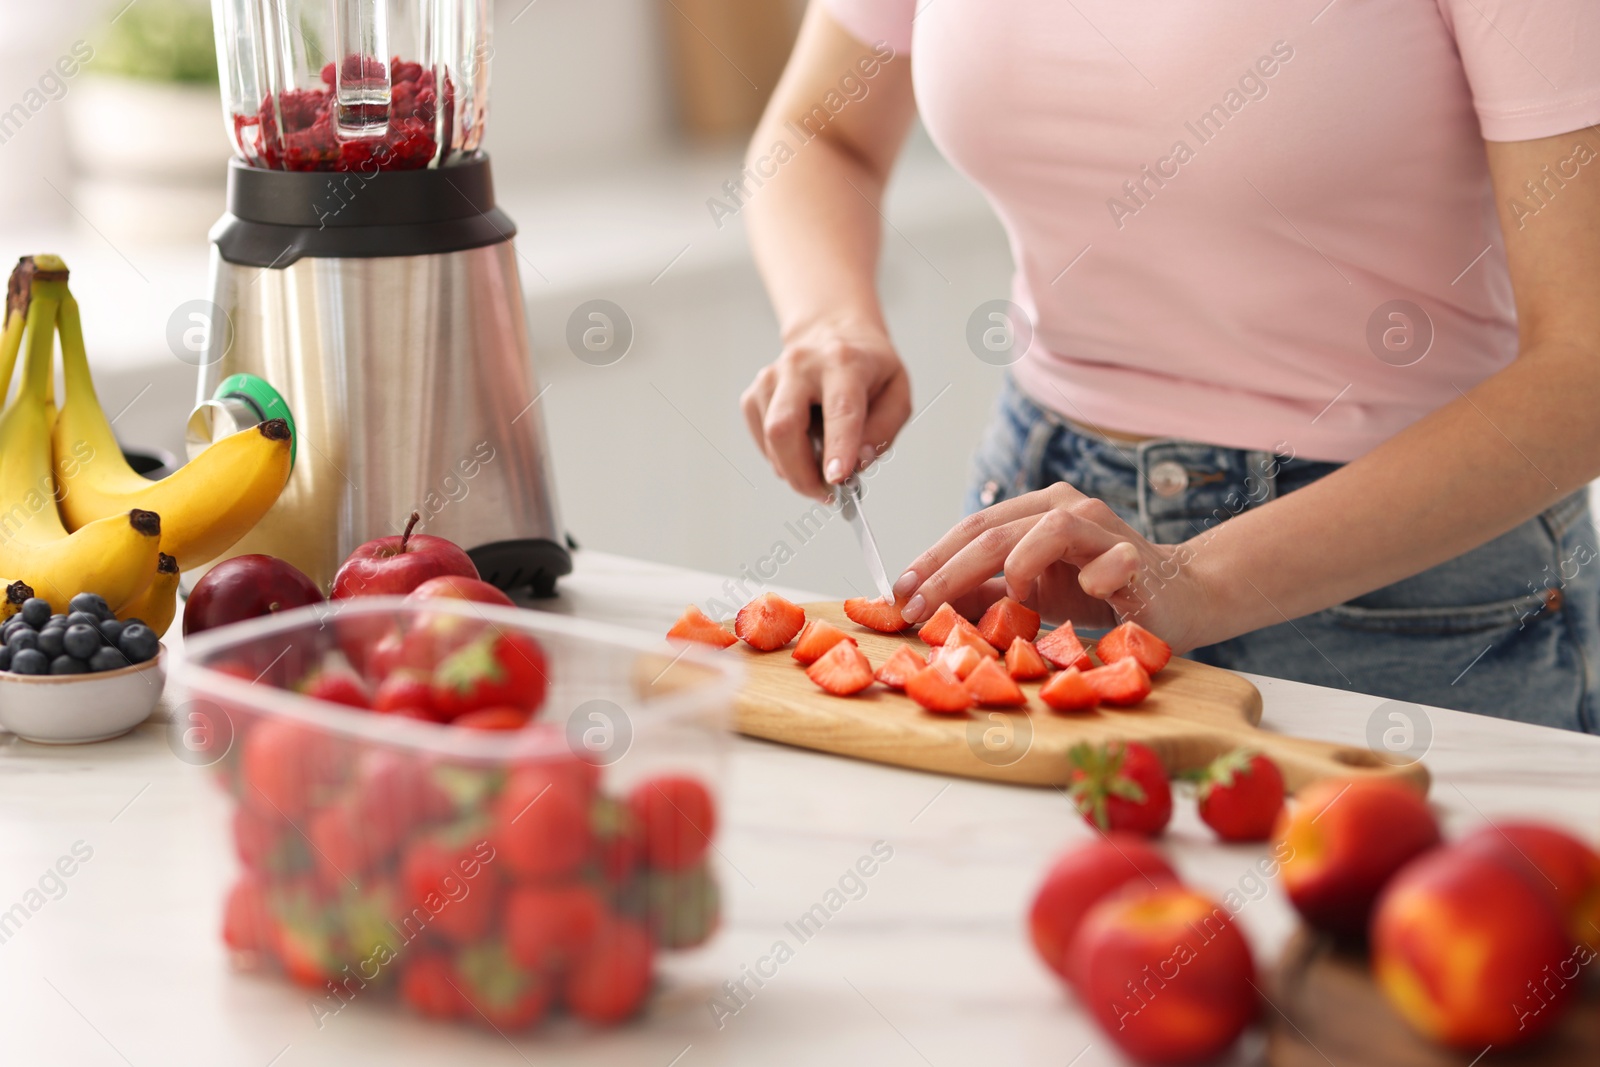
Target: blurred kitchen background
x,y
612,124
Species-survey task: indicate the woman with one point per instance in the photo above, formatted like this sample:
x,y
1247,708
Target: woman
x,y
1315,298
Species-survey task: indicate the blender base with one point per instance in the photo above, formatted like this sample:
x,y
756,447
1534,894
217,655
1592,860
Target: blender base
x,y
531,563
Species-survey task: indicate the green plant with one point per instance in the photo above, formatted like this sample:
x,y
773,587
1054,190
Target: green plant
x,y
159,40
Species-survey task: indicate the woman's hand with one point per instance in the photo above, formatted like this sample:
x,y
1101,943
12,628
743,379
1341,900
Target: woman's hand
x,y
1067,556
864,394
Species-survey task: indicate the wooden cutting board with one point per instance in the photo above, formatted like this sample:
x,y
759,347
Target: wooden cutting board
x,y
1195,714
1327,1009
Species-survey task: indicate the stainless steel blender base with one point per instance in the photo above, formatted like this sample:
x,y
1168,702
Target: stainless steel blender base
x,y
412,390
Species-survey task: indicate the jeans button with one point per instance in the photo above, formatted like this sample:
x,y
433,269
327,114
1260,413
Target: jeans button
x,y
1168,478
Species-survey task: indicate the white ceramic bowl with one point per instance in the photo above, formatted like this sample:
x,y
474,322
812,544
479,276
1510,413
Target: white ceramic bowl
x,y
71,709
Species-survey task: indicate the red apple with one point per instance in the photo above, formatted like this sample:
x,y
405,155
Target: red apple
x,y
1471,952
1343,841
456,587
246,587
1556,860
1166,974
394,566
1081,878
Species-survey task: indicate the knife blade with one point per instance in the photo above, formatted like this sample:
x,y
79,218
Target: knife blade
x,y
850,494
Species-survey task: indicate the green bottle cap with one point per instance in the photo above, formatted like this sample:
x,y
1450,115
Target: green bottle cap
x,y
267,402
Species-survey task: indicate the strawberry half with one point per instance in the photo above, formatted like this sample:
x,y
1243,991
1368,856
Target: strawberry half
x,y
959,660
843,671
769,622
898,669
1132,641
992,687
1023,661
1006,620
937,628
1062,648
1123,682
696,625
816,638
965,635
880,615
936,689
1068,691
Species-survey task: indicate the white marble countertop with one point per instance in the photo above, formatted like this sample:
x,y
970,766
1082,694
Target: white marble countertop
x,y
120,964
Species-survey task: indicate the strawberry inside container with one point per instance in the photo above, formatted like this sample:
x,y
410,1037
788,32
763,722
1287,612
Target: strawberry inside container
x,y
492,872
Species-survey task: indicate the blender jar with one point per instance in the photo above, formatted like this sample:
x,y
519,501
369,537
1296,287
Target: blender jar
x,y
353,85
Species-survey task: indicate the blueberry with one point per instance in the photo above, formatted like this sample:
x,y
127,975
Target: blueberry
x,y
50,641
111,630
35,611
5,658
30,661
107,659
136,621
12,625
83,618
138,642
68,665
22,638
92,604
81,641
59,623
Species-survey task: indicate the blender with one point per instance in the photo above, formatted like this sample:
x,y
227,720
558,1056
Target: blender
x,y
365,286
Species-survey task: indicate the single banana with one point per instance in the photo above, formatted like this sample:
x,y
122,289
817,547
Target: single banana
x,y
207,505
157,605
17,593
116,556
16,318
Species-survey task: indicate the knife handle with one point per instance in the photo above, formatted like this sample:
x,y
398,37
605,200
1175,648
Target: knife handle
x,y
815,432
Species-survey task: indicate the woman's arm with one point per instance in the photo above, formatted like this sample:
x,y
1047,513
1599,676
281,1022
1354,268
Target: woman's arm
x,y
1497,455
815,229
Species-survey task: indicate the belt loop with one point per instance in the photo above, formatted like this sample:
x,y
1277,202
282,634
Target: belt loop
x,y
1141,463
1030,472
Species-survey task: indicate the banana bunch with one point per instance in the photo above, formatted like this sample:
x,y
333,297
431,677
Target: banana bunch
x,y
205,506
116,555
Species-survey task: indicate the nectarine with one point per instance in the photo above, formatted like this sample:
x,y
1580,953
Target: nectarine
x,y
1078,880
1558,861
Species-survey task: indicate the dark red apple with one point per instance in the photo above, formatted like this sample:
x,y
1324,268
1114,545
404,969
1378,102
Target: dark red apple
x,y
456,587
394,566
246,587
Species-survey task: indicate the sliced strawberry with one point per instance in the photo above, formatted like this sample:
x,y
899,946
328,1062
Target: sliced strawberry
x,y
1132,641
816,639
495,718
964,634
959,660
936,689
1123,682
696,625
1006,620
898,668
880,615
937,628
769,622
1068,691
1062,648
843,671
1023,661
992,687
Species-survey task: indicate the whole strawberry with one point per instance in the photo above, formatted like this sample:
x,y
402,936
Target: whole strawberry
x,y
1240,795
498,669
1120,786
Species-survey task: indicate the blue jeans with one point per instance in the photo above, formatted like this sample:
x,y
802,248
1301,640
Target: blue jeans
x,y
1511,628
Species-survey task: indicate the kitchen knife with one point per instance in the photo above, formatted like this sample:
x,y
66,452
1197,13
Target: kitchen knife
x,y
848,494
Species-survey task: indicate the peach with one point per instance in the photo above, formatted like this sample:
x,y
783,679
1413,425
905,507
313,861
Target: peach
x,y
1558,861
1471,952
1343,841
1081,878
1166,974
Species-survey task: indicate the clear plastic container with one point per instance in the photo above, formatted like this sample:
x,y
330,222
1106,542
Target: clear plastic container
x,y
353,85
480,875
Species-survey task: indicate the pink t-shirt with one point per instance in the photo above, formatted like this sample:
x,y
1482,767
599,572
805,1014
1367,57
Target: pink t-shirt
x,y
1213,207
